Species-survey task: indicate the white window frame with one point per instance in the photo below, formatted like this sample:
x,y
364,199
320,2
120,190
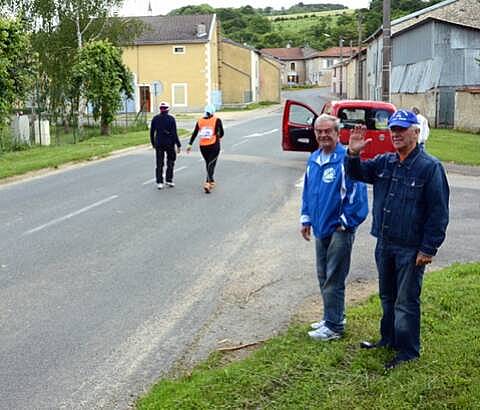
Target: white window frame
x,y
185,85
178,52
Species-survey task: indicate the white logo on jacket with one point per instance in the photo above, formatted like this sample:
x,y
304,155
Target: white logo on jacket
x,y
328,175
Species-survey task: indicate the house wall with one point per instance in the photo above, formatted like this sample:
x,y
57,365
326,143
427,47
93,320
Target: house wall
x,y
151,63
270,80
351,80
318,72
425,102
465,11
374,69
235,74
467,107
300,70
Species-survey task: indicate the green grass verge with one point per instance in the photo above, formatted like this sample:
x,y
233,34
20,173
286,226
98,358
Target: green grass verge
x,y
454,146
248,107
294,372
35,158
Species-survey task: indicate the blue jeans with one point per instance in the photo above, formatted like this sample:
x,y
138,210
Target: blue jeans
x,y
333,263
400,285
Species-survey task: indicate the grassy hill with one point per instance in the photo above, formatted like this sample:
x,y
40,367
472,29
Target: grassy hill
x,y
312,14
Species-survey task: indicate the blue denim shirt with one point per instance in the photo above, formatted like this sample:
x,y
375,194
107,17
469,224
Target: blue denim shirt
x,y
410,198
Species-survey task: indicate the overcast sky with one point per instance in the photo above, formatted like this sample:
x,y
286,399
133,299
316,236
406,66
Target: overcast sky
x,y
140,7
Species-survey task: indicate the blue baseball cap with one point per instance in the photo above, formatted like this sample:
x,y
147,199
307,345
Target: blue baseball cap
x,y
402,118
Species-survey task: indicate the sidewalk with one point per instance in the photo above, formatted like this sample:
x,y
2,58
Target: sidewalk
x,y
469,170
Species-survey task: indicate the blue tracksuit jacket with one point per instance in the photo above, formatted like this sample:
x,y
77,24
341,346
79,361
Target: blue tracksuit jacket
x,y
330,198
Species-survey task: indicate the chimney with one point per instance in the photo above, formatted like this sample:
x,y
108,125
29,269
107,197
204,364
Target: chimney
x,y
201,30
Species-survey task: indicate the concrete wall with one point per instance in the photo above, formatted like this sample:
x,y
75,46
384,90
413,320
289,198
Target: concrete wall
x,y
235,73
270,81
351,79
426,103
467,107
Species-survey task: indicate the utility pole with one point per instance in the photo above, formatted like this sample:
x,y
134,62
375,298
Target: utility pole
x,y
359,58
387,52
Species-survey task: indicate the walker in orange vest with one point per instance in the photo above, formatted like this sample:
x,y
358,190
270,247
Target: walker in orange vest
x,y
207,131
207,137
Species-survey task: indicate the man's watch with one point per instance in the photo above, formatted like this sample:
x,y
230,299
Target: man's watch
x,y
352,153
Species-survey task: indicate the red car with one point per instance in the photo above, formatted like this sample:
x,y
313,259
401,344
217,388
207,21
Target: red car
x,y
298,119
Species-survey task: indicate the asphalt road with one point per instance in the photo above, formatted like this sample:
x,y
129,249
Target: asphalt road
x,y
106,282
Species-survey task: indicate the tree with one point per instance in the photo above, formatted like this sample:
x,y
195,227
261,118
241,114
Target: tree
x,y
101,77
188,10
16,69
59,28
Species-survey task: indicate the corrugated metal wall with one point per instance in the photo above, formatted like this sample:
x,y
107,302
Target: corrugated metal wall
x,y
413,46
435,55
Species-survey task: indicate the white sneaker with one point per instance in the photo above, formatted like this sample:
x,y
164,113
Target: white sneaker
x,y
324,334
170,184
318,325
160,186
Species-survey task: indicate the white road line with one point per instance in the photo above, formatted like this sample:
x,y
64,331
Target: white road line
x,y
299,183
153,179
239,143
68,216
259,134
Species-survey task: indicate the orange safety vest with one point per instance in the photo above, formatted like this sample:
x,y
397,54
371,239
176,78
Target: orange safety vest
x,y
206,131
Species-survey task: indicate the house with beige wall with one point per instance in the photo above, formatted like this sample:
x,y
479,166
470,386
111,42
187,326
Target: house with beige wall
x,y
294,70
247,75
175,59
183,60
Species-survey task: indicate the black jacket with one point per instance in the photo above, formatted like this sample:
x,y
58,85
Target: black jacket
x,y
163,130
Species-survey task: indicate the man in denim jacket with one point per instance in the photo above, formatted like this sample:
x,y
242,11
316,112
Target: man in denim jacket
x,y
410,218
333,205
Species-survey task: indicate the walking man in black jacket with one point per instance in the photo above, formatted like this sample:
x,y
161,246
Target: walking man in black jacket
x,y
164,138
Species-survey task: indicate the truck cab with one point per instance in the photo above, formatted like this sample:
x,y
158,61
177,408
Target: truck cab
x,y
298,120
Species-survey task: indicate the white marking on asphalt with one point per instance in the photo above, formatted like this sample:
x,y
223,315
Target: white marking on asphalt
x,y
239,143
71,215
259,134
299,183
153,179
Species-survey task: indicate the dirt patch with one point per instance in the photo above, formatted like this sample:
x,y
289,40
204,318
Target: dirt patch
x,y
357,291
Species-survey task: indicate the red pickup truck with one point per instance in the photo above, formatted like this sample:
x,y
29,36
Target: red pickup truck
x,y
298,119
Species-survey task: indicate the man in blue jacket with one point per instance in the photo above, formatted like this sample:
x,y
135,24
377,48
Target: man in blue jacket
x,y
333,205
410,218
164,138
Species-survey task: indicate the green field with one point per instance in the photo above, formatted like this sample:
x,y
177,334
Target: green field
x,y
293,372
297,24
315,13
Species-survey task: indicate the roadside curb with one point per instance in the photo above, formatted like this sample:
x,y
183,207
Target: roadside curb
x,y
469,170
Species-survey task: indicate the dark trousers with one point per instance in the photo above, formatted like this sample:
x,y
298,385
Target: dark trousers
x,y
400,285
163,150
210,155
